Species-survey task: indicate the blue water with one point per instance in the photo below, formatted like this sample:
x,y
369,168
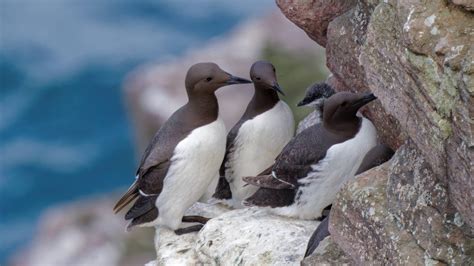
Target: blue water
x,y
64,133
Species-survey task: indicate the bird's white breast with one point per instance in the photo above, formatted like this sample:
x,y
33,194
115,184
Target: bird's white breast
x,y
194,164
318,189
258,143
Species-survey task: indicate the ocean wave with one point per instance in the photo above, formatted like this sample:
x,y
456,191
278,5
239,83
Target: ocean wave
x,y
62,122
57,156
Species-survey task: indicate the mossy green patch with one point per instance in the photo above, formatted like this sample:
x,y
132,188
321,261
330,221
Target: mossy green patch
x,y
441,88
295,73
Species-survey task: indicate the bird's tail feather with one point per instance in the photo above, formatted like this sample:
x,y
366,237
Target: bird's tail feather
x,y
131,194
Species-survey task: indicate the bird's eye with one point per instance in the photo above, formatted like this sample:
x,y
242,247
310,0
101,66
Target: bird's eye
x,y
274,70
343,104
209,79
258,78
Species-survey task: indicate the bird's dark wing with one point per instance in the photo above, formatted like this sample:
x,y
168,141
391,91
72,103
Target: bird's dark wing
x,y
296,159
267,171
155,162
141,206
223,191
151,172
271,197
148,189
319,235
268,181
145,218
375,157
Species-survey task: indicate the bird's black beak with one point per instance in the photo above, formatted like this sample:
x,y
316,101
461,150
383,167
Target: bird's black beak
x,y
277,88
237,80
303,102
364,99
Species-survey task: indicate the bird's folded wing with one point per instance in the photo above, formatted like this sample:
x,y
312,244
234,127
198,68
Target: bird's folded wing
x,y
268,181
223,191
151,182
271,198
299,155
150,174
319,235
267,171
140,207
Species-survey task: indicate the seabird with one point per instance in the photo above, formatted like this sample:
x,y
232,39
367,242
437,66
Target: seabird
x,y
375,157
315,96
183,157
319,235
254,142
313,166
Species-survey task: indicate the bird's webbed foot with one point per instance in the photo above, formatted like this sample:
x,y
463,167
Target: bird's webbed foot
x,y
195,219
190,229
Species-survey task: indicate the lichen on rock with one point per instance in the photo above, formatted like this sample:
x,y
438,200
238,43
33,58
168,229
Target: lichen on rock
x,y
416,56
253,237
327,253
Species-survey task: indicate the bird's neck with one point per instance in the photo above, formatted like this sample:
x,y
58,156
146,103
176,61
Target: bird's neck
x,y
347,128
263,95
204,105
263,99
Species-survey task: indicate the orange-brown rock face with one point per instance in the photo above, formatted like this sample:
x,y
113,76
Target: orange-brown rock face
x,y
417,57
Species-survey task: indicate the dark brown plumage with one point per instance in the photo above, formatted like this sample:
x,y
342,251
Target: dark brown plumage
x,y
340,123
265,97
375,157
202,80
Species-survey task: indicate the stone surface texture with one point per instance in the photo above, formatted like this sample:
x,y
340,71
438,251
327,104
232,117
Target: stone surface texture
x,y
249,236
175,249
327,253
399,213
253,237
314,16
417,57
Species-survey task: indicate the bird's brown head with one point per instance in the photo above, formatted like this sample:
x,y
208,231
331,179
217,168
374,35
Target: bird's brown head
x,y
340,110
208,77
263,75
316,94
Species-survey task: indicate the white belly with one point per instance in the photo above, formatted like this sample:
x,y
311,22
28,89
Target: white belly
x,y
195,163
258,143
319,188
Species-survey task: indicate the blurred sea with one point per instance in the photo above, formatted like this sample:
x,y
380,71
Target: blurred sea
x,y
64,133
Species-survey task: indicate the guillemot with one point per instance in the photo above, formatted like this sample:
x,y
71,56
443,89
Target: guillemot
x,y
254,142
313,166
183,157
315,96
375,157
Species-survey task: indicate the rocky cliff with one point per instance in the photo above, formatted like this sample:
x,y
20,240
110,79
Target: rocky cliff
x,y
416,209
417,57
